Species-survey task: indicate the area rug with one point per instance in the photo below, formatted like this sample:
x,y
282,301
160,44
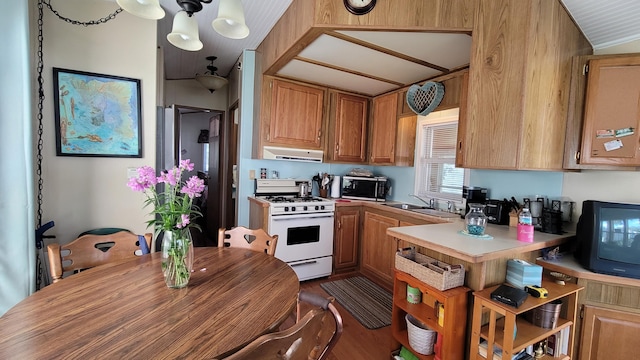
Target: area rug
x,y
367,302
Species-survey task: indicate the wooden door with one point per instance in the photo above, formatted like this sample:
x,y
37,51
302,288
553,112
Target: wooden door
x,y
349,117
383,129
346,242
378,249
608,334
296,115
612,112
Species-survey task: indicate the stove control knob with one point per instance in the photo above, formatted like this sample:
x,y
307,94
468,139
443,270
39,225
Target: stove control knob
x,y
293,208
304,208
317,207
286,208
322,207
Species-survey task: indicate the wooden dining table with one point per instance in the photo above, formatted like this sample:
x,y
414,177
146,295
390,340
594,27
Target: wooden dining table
x,y
124,310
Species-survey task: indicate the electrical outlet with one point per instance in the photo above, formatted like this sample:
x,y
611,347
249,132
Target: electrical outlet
x,y
252,174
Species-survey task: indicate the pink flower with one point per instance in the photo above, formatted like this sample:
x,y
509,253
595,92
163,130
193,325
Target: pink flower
x,y
146,178
170,177
194,187
186,165
185,221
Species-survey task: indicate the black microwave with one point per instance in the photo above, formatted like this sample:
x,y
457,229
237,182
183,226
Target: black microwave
x,y
365,188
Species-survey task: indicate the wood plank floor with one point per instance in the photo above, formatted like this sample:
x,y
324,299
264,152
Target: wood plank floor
x,y
357,342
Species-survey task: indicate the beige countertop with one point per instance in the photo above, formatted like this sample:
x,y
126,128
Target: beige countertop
x,y
446,239
568,265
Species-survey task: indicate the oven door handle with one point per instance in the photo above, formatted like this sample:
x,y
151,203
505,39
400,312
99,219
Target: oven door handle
x,y
310,262
301,216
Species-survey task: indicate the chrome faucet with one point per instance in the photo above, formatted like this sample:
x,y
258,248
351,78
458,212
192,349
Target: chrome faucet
x,y
450,207
431,203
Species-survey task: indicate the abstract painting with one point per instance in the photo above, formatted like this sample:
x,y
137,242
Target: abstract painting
x,y
96,115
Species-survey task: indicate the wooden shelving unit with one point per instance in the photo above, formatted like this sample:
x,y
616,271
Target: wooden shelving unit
x,y
504,319
453,329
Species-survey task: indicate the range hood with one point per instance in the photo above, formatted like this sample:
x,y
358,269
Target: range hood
x,y
280,153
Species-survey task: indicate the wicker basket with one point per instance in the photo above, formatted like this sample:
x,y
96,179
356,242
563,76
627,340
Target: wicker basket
x,y
421,338
438,274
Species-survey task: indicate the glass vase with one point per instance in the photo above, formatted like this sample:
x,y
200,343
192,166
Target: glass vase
x,y
475,221
177,257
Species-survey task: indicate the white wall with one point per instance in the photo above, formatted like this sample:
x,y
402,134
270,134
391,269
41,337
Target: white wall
x,y
607,185
189,92
82,193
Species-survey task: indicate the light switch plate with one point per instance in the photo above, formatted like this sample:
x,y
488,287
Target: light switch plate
x,y
252,174
132,172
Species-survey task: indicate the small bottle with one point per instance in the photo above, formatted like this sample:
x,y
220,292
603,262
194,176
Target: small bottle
x,y
525,226
525,217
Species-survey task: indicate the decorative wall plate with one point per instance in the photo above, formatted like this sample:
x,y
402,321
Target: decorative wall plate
x,y
423,99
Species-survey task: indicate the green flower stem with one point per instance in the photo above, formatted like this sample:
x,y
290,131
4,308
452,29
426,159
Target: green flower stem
x,y
176,264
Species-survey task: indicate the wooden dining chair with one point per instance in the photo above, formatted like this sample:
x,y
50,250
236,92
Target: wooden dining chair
x,y
242,237
91,250
312,337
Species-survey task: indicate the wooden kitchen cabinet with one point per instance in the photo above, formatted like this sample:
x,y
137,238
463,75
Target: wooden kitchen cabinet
x,y
609,334
504,321
519,81
378,249
347,127
295,115
451,326
611,105
346,239
383,130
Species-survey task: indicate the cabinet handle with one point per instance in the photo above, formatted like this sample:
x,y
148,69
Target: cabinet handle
x,y
319,134
337,147
459,145
339,225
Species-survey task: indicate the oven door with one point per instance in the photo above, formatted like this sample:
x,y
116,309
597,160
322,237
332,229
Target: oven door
x,y
302,236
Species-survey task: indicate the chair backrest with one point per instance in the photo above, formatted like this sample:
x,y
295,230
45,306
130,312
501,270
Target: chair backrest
x,y
312,337
92,250
256,240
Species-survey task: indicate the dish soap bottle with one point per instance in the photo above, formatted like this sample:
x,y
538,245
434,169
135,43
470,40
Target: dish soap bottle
x,y
525,226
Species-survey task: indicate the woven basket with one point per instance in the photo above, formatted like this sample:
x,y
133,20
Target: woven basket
x,y
421,338
438,274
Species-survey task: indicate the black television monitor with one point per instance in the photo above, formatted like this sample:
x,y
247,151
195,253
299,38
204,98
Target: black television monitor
x,y
608,238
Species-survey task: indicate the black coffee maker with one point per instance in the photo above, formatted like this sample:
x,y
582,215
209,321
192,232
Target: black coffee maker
x,y
473,195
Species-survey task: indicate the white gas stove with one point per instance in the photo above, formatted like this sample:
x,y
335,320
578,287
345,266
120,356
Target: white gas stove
x,y
304,225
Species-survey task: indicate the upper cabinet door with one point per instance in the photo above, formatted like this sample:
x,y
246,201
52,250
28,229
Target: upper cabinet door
x,y
383,129
612,112
296,115
349,127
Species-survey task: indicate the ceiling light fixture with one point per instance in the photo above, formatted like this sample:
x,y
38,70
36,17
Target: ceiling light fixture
x,y
230,21
184,33
146,9
210,79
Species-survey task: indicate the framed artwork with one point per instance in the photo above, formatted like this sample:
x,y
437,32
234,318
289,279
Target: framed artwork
x,y
97,115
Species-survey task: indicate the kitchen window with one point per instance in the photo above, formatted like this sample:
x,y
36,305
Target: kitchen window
x,y
436,174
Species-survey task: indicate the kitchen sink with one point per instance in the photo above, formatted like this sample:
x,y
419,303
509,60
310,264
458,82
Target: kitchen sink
x,y
437,213
407,206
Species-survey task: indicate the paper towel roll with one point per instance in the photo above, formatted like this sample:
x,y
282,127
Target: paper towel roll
x,y
335,187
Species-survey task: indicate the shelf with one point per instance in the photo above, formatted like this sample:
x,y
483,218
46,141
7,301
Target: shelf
x,y
423,312
526,334
503,316
556,291
403,338
451,333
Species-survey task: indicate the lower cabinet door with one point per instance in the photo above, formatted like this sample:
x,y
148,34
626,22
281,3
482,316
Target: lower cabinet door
x,y
609,334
